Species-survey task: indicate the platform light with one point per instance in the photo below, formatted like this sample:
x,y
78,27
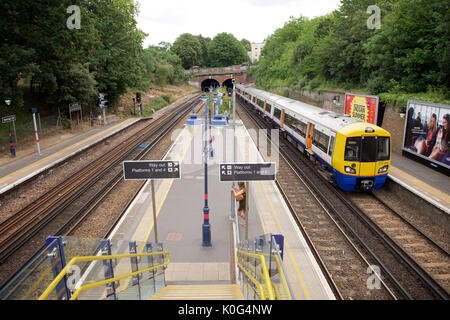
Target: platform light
x,y
8,101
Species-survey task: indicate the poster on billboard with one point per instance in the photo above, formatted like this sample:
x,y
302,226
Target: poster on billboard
x,y
362,107
426,132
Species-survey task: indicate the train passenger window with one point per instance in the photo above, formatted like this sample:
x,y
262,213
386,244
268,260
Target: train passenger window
x,y
297,125
268,108
277,113
330,150
260,103
321,140
383,150
353,149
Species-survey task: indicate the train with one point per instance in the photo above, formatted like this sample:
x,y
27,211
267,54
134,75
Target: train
x,y
356,154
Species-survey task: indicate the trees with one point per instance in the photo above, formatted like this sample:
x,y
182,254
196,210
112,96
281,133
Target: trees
x,y
67,65
189,49
410,53
247,45
162,67
226,50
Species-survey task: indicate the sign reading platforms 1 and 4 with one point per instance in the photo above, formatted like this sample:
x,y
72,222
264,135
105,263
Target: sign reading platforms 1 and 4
x,y
247,171
147,169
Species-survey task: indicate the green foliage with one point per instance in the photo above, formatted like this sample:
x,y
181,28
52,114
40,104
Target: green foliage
x,y
65,65
189,49
247,45
162,67
225,50
409,54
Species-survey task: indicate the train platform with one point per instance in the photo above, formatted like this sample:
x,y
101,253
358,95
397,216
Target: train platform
x,y
428,184
27,167
179,209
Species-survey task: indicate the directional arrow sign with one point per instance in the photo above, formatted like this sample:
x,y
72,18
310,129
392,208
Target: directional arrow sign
x,y
148,169
264,171
10,118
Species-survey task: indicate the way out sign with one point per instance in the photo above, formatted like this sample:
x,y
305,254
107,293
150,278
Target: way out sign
x,y
264,171
151,169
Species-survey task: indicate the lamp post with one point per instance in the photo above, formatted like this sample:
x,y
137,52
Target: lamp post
x,y
206,227
11,142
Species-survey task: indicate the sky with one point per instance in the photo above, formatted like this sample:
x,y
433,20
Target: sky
x,y
254,20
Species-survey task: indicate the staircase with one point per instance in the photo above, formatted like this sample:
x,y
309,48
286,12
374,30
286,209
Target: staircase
x,y
200,292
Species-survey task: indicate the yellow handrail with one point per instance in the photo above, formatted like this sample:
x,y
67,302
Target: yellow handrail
x,y
283,277
74,260
256,282
280,271
264,268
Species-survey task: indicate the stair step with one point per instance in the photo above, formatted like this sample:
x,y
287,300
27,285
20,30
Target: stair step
x,y
199,292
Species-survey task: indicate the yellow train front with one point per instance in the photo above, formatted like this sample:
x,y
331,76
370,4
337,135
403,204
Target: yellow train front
x,y
361,157
357,153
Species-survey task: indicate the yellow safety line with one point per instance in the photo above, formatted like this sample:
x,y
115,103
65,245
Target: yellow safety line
x,y
299,274
443,196
60,151
157,212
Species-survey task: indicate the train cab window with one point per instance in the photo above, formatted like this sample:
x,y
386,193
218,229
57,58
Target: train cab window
x,y
277,113
383,150
368,149
353,149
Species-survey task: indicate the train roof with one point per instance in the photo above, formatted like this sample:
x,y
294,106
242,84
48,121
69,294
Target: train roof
x,y
332,120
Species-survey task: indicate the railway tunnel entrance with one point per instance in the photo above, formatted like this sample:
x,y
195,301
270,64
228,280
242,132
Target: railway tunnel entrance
x,y
228,84
207,83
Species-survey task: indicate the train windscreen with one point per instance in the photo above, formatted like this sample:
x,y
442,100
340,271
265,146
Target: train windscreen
x,y
367,149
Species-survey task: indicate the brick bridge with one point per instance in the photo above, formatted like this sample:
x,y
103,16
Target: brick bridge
x,y
206,77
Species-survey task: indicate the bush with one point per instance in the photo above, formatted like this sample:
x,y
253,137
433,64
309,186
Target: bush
x,y
167,97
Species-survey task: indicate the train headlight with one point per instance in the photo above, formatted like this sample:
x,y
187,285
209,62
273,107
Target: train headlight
x,y
350,170
383,169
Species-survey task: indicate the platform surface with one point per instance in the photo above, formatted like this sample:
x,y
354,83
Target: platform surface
x,y
22,169
179,210
425,182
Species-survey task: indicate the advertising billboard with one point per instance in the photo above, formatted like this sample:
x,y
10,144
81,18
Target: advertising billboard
x,y
426,132
362,107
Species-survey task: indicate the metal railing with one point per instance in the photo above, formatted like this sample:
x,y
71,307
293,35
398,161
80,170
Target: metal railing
x,y
99,269
261,272
82,288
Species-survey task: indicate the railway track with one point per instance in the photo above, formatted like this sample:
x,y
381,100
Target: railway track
x,y
402,277
426,252
105,174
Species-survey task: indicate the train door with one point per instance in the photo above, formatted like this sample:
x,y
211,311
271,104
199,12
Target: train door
x,y
282,119
368,156
309,135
